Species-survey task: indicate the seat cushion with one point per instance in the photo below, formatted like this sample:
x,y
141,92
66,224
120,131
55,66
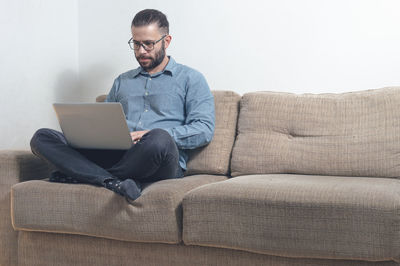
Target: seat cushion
x,y
215,157
347,134
297,216
156,216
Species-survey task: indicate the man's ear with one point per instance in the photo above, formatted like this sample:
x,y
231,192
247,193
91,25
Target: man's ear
x,y
167,39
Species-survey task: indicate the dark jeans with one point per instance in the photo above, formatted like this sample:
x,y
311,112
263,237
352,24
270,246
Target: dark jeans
x,y
154,157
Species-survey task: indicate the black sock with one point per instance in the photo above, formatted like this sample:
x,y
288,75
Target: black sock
x,y
127,188
113,184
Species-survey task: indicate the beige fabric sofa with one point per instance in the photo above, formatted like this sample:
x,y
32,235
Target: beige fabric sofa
x,y
314,182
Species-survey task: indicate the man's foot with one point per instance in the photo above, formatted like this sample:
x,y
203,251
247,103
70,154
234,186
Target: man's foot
x,y
59,177
127,188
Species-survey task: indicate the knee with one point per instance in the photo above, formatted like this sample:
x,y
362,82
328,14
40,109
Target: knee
x,y
39,136
161,140
159,134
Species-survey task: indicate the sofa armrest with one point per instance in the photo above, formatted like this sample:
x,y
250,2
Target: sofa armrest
x,y
15,167
19,166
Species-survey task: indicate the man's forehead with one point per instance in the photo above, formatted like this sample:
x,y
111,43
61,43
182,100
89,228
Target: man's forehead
x,y
151,30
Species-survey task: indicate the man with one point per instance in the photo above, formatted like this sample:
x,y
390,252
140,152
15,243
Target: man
x,y
169,108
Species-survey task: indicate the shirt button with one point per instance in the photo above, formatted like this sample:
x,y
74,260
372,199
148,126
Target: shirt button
x,y
146,110
149,78
146,93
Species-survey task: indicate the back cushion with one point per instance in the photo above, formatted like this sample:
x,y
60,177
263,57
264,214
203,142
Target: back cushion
x,y
214,158
352,134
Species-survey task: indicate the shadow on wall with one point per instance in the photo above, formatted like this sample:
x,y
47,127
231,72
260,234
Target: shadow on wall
x,y
66,88
96,79
93,81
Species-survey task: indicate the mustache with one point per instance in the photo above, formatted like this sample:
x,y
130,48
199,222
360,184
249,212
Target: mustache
x,y
144,57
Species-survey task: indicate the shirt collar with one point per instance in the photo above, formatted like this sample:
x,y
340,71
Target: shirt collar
x,y
170,68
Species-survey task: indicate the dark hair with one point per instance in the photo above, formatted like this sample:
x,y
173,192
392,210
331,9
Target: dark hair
x,y
150,16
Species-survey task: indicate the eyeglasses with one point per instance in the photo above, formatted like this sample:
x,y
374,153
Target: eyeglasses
x,y
147,45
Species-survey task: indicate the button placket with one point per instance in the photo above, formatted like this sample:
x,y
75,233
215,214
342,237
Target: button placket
x,y
146,93
146,104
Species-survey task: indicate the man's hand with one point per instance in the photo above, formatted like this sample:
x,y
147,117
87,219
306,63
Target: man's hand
x,y
137,135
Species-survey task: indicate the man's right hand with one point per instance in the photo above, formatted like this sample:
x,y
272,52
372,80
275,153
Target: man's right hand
x,y
137,135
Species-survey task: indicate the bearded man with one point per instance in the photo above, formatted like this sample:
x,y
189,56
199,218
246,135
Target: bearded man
x,y
168,107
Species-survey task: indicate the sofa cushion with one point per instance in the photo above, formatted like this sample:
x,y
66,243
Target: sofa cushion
x,y
156,216
349,134
214,158
297,216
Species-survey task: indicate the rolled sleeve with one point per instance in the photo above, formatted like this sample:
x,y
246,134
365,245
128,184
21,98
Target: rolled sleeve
x,y
200,116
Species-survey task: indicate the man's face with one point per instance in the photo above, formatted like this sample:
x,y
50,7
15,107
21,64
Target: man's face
x,y
149,60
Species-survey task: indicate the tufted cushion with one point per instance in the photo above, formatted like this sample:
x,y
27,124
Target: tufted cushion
x,y
214,158
352,134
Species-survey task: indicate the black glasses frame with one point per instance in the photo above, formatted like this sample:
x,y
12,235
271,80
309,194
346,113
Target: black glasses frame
x,y
135,45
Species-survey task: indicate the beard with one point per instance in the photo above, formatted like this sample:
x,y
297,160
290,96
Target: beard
x,y
154,62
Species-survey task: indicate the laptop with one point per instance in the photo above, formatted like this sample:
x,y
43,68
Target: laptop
x,y
94,125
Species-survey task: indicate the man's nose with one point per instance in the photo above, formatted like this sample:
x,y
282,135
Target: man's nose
x,y
141,49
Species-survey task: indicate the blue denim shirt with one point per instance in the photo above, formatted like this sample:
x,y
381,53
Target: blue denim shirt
x,y
176,99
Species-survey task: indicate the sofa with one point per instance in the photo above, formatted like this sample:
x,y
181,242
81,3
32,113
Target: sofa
x,y
288,179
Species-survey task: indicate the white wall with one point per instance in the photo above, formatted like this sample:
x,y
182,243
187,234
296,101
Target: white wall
x,y
286,45
38,65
